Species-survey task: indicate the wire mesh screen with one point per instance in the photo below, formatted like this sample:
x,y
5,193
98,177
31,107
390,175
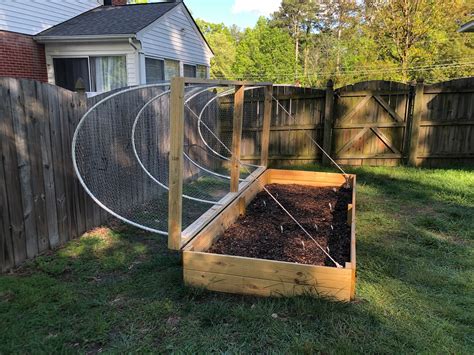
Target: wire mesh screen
x,y
121,152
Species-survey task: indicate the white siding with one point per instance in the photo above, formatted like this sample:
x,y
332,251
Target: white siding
x,y
166,39
89,49
33,16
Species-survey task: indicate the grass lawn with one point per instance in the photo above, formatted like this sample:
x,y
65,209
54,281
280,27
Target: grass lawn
x,y
120,289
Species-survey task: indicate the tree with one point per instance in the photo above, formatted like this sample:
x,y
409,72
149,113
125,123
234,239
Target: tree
x,y
264,53
347,41
223,43
339,17
298,17
417,32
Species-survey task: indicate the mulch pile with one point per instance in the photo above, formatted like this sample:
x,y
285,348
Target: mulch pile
x,y
267,232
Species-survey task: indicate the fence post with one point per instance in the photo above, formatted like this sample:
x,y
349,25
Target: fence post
x,y
236,137
415,123
328,120
267,117
175,199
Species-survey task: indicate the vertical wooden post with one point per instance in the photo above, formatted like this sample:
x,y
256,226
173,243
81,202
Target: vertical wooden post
x,y
267,117
175,179
328,120
415,123
237,137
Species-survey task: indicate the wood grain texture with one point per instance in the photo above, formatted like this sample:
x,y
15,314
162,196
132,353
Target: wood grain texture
x,y
259,287
328,122
267,118
371,130
234,274
38,121
175,199
236,137
287,272
415,124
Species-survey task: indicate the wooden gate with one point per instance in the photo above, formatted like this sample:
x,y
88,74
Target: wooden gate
x,y
370,123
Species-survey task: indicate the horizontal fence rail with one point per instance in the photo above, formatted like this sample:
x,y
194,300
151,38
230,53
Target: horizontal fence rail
x,y
369,123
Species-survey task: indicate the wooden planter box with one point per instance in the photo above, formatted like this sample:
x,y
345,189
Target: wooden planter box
x,y
261,277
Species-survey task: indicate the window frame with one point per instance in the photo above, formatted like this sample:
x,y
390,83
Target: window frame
x,y
172,60
196,65
88,57
190,65
206,76
163,60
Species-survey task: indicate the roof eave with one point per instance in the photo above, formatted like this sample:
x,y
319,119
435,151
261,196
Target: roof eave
x,y
79,38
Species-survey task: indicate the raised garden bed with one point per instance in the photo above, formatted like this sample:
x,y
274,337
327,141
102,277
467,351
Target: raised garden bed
x,y
252,247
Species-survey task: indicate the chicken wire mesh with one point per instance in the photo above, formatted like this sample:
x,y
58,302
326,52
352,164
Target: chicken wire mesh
x,y
121,152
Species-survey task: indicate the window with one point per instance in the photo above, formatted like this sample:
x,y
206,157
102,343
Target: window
x,y
201,71
67,71
155,70
106,73
171,69
189,71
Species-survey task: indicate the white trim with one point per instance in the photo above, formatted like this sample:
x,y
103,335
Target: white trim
x,y
153,58
88,57
95,49
142,64
107,38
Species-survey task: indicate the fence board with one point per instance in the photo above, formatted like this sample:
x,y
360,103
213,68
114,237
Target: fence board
x,y
47,168
371,123
20,123
446,137
35,114
7,259
43,205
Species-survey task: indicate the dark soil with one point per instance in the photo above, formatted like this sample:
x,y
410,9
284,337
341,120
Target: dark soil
x,y
267,232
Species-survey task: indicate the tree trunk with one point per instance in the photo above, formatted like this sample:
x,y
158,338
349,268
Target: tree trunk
x,y
338,51
297,54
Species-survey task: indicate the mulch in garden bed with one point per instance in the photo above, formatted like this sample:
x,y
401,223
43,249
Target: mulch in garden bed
x,y
267,232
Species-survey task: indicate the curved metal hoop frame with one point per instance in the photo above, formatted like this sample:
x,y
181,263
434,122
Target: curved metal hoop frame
x,y
76,169
133,138
225,93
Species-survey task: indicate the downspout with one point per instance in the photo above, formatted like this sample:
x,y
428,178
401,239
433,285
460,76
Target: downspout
x,y
132,44
139,67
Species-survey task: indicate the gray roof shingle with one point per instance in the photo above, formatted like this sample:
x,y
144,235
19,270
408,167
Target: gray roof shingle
x,y
111,20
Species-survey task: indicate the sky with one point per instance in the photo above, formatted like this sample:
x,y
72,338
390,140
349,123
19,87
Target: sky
x,y
243,13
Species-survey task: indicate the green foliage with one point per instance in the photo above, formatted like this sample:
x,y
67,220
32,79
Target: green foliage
x,y
348,41
263,53
222,41
119,290
420,33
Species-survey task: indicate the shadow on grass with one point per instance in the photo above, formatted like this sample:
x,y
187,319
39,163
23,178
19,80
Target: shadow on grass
x,y
120,289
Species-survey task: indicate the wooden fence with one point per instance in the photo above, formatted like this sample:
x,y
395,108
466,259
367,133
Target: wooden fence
x,y
375,123
371,123
42,203
289,140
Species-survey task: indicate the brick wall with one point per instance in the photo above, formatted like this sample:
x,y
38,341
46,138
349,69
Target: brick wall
x,y
22,57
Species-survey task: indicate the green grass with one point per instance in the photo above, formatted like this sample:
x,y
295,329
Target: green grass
x,y
120,290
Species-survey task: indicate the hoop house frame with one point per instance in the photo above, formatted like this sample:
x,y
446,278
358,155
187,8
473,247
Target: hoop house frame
x,y
177,238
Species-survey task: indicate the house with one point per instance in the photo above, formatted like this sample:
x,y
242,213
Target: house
x,y
106,43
